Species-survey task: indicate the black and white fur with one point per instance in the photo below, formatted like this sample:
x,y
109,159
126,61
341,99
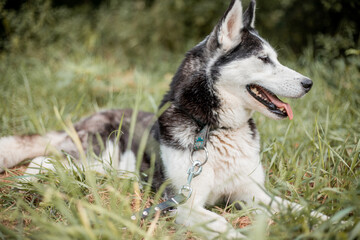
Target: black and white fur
x,y
214,86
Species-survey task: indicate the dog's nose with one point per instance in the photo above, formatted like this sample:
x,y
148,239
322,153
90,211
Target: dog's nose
x,y
307,84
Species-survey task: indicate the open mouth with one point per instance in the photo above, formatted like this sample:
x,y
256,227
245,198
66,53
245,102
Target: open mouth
x,y
270,100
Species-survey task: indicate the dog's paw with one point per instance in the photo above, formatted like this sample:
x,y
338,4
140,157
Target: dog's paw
x,y
319,215
233,234
207,223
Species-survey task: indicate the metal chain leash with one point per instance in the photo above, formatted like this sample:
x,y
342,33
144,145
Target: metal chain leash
x,y
186,190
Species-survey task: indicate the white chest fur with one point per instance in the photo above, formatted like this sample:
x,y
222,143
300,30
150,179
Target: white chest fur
x,y
233,165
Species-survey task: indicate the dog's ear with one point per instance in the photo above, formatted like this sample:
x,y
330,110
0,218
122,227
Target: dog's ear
x,y
226,34
249,15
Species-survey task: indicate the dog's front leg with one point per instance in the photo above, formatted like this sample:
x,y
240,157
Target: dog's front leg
x,y
194,215
257,195
278,203
205,222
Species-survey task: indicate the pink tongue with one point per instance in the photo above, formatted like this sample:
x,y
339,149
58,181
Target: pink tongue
x,y
280,104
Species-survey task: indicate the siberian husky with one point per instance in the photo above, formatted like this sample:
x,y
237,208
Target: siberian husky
x,y
220,83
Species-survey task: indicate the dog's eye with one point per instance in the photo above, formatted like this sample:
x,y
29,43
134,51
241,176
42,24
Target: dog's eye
x,y
265,59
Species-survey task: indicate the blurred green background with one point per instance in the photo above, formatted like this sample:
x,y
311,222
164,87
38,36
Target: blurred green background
x,y
134,27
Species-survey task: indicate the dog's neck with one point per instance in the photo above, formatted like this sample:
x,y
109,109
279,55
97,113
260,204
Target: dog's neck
x,y
232,112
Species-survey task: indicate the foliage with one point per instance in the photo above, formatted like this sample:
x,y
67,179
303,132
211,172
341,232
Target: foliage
x,y
331,27
302,22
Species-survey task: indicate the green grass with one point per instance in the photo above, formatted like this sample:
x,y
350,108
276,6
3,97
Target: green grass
x,y
313,159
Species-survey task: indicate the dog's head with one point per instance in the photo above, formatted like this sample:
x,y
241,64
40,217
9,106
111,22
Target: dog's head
x,y
244,65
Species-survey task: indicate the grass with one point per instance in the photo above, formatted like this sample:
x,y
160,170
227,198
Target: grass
x,y
313,159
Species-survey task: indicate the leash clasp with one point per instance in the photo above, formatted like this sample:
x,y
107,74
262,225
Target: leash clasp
x,y
186,190
192,172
